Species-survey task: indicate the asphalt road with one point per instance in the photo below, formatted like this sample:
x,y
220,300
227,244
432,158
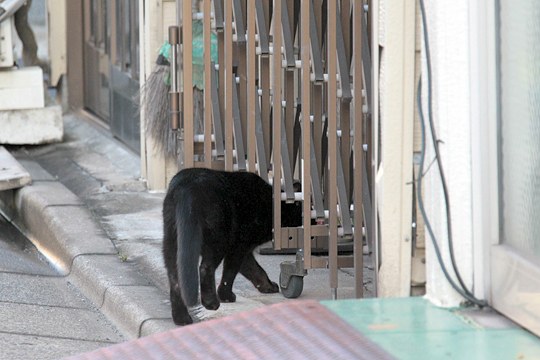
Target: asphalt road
x,y
42,315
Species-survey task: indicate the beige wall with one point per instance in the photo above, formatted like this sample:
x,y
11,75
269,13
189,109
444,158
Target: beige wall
x,y
155,20
394,176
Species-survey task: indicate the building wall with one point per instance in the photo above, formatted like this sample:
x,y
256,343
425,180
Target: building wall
x,y
394,175
156,17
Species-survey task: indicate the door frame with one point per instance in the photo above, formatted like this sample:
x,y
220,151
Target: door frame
x,y
505,277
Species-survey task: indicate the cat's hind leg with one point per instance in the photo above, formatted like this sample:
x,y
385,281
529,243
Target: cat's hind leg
x,y
255,273
207,274
180,312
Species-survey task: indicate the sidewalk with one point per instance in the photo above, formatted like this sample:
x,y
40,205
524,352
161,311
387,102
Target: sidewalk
x,y
89,212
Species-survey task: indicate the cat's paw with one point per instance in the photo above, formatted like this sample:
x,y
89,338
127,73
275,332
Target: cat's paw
x,y
226,295
268,288
210,304
181,317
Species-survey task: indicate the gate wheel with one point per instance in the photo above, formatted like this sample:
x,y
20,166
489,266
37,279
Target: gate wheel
x,y
294,287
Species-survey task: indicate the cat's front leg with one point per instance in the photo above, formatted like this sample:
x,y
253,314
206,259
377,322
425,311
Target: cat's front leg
x,y
255,273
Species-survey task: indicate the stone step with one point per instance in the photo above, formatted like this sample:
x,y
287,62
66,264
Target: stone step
x,y
12,174
31,126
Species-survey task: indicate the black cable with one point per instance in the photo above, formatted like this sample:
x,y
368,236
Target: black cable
x,y
462,289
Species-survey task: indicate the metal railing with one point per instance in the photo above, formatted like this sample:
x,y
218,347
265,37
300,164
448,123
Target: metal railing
x,y
288,98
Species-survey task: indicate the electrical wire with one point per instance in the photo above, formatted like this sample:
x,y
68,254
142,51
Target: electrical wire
x,y
461,288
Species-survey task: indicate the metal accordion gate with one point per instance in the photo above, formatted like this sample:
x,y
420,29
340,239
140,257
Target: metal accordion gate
x,y
288,96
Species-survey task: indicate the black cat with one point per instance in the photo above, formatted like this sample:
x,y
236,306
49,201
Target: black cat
x,y
221,216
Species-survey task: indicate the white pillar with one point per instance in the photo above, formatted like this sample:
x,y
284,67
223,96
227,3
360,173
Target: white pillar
x,y
448,27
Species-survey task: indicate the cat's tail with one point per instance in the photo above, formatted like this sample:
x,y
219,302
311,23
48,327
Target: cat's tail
x,y
189,243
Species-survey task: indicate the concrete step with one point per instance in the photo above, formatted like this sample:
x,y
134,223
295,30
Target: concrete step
x,y
12,174
31,126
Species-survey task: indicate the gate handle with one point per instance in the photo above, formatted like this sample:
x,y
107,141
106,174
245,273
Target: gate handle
x,y
174,93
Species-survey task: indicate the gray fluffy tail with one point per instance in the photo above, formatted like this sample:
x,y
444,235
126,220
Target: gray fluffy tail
x,y
189,243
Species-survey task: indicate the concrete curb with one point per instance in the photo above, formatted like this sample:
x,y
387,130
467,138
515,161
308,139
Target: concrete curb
x,y
64,230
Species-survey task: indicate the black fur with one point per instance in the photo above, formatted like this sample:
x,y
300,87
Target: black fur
x,y
221,216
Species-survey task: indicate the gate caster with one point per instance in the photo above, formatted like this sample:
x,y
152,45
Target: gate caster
x,y
291,276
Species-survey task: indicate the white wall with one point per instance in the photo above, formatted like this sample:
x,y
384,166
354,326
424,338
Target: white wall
x,y
448,26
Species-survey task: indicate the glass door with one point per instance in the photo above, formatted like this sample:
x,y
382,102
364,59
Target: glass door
x,y
96,58
111,66
124,71
515,262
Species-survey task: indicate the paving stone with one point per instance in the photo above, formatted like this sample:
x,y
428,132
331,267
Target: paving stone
x,y
43,347
40,290
52,321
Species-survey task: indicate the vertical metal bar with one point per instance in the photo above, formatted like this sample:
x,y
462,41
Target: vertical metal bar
x,y
345,144
343,38
174,93
219,73
207,27
263,165
187,73
237,129
218,16
216,112
305,50
367,206
251,90
288,37
316,46
239,21
366,57
286,163
262,10
343,200
343,62
229,83
276,100
358,151
239,59
287,137
263,16
332,142
266,108
346,26
316,185
317,89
